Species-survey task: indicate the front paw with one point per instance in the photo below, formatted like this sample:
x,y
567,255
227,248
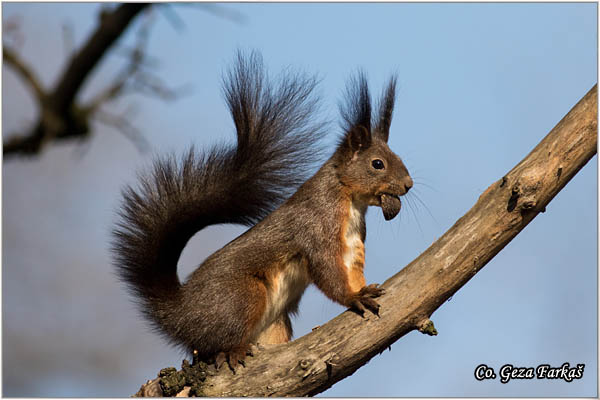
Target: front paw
x,y
373,290
363,300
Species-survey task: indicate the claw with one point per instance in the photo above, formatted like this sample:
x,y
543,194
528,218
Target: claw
x,y
219,360
357,306
233,361
371,304
364,299
236,358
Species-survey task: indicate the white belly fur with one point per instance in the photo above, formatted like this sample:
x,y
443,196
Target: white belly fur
x,y
354,243
285,291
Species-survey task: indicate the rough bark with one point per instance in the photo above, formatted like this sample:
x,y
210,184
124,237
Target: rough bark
x,y
314,362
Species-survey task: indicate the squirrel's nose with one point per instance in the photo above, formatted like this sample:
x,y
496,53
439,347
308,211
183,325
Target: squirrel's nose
x,y
408,183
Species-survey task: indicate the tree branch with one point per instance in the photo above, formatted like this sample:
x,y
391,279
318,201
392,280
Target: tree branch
x,y
314,362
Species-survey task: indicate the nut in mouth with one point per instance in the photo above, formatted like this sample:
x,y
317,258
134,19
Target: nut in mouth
x,y
390,205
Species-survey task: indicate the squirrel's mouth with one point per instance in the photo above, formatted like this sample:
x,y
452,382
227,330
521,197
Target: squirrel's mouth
x,y
390,205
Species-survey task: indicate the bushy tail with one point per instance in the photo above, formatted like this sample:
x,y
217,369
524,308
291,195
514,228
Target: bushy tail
x,y
276,146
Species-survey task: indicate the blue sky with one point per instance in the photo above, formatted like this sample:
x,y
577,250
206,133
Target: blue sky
x,y
480,86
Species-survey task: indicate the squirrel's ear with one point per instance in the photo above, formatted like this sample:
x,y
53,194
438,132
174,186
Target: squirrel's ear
x,y
358,138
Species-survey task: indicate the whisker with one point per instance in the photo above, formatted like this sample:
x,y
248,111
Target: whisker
x,y
415,195
427,186
412,209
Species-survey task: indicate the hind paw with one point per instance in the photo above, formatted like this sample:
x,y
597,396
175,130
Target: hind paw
x,y
234,358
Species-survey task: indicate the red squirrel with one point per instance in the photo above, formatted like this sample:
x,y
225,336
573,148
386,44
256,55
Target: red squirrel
x,y
244,293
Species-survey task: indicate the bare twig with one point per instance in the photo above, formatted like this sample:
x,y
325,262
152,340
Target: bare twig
x,y
122,124
170,15
68,39
11,58
136,60
153,85
11,30
219,11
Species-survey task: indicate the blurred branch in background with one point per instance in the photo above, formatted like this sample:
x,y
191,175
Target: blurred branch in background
x,y
60,115
219,11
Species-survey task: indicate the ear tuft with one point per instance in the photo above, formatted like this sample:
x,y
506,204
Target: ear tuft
x,y
386,109
356,110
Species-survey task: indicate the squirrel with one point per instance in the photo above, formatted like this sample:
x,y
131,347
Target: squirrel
x,y
244,293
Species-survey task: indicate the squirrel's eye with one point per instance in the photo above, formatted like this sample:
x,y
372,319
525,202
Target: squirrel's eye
x,y
377,164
